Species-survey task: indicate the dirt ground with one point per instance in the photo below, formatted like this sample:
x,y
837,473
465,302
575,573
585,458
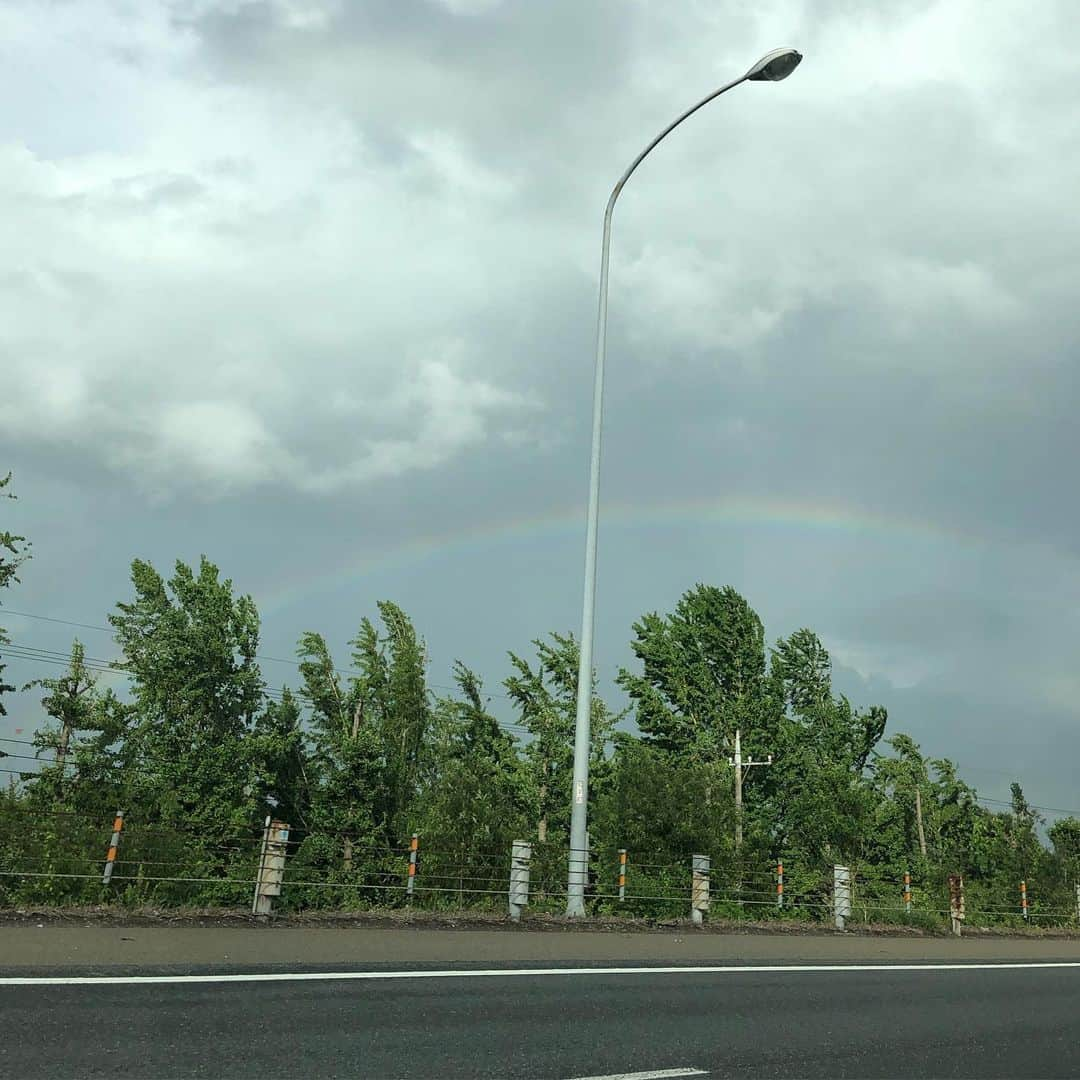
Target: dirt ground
x,y
102,937
396,918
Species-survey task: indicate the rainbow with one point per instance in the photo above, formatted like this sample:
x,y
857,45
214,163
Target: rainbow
x,y
566,522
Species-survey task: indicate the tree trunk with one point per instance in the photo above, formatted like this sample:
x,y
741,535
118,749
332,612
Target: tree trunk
x,y
64,743
918,821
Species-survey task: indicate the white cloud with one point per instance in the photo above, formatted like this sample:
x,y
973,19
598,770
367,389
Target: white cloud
x,y
282,210
447,414
304,247
470,7
189,307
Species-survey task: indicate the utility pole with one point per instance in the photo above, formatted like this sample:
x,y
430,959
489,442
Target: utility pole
x,y
740,775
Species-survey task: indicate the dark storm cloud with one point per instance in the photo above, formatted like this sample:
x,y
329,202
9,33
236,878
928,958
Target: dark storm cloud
x,y
300,283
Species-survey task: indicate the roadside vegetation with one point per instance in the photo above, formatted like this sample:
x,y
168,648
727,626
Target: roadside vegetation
x,y
359,751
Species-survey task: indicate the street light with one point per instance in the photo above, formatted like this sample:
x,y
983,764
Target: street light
x,y
772,67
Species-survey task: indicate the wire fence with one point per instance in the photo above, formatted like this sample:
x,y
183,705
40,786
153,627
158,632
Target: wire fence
x,y
59,858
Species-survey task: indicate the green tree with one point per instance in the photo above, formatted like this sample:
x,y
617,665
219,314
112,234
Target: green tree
x,y
952,818
14,551
406,714
546,698
84,769
477,801
1022,832
656,807
369,737
278,752
905,804
349,805
1064,834
189,649
803,668
71,702
819,799
703,675
1004,849
72,797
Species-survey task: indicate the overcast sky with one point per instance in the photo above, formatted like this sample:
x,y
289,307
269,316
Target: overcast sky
x,y
310,286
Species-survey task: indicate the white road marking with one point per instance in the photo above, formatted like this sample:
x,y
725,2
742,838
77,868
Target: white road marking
x,y
654,1074
505,973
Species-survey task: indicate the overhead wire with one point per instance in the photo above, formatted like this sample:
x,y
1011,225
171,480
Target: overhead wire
x,y
99,665
258,656
513,728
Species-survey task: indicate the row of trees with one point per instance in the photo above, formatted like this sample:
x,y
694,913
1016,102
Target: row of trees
x,y
359,752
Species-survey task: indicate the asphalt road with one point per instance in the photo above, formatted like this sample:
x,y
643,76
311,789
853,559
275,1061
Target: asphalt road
x,y
938,1021
298,1012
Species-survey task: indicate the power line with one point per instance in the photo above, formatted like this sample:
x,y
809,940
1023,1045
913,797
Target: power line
x,y
51,656
102,666
1031,806
5,756
258,656
64,622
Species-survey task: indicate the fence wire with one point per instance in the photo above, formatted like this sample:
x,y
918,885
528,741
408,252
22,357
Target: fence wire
x,y
59,857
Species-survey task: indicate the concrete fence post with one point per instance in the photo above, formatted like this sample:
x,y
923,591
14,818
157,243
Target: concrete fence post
x,y
622,875
1023,900
271,866
699,889
520,857
779,884
907,892
956,903
114,844
841,895
410,882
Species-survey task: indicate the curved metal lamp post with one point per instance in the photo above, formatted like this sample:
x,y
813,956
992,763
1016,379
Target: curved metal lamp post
x,y
772,67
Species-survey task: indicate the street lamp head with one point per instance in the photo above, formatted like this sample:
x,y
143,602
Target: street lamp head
x,y
774,66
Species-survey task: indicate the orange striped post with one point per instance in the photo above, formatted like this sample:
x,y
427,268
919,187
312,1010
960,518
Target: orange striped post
x,y
622,874
907,892
779,884
114,843
414,845
1023,900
